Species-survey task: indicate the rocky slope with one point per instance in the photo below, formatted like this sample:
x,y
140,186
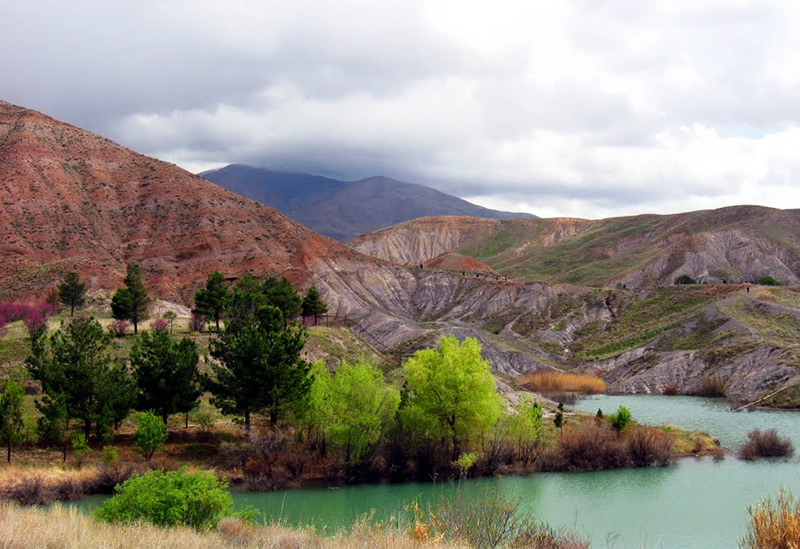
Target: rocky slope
x,y
736,243
341,209
72,200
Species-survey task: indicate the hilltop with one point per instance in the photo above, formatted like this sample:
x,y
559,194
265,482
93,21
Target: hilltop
x,y
733,244
342,209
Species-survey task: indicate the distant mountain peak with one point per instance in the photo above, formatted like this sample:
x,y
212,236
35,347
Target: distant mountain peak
x,y
341,209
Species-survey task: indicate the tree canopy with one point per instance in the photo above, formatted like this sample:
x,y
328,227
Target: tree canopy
x,y
313,304
452,390
353,406
166,374
131,302
77,371
11,424
211,300
259,366
72,292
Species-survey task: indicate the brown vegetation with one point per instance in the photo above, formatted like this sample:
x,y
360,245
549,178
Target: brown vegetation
x,y
554,382
767,443
774,523
596,446
40,486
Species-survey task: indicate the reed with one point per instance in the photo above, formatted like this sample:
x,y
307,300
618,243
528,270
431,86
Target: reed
x,y
774,523
554,382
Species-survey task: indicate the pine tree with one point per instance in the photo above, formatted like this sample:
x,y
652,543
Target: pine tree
x,y
259,366
166,374
313,304
131,302
72,292
210,301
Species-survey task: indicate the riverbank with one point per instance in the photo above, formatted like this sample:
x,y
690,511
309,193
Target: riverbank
x,y
63,527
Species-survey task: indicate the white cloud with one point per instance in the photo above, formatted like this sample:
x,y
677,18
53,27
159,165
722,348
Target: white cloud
x,y
575,108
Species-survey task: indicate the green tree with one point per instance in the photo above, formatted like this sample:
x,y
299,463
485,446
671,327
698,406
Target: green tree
x,y
11,424
525,428
72,292
313,304
175,498
453,387
166,374
80,448
258,366
621,419
132,301
211,300
281,294
358,404
558,419
53,426
75,364
150,435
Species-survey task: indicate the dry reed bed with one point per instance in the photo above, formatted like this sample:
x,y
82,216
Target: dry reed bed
x,y
774,523
60,527
554,382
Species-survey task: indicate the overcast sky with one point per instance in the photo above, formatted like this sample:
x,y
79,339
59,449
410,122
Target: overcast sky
x,y
581,108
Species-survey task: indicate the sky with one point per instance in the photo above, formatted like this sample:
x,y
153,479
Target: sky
x,y
568,108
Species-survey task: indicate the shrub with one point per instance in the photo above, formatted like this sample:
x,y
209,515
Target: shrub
x,y
176,498
774,523
685,279
159,326
649,446
119,328
80,448
197,322
621,419
109,454
669,390
491,521
767,280
765,444
591,449
150,436
711,386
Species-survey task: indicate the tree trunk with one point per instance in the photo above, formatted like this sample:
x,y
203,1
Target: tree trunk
x,y
9,450
247,421
64,452
87,428
186,426
273,419
72,309
217,319
135,327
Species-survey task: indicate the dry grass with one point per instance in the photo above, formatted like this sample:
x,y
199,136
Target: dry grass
x,y
554,382
774,524
60,527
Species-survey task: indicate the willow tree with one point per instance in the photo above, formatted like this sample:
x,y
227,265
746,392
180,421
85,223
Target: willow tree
x,y
451,388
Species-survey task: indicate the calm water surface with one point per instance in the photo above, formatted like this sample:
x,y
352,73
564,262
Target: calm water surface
x,y
698,503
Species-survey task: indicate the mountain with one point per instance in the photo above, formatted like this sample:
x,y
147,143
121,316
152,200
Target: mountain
x,y
73,200
737,243
343,210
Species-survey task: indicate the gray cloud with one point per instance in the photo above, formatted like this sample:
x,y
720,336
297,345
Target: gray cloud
x,y
579,108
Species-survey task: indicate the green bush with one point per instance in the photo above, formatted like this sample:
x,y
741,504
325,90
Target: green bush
x,y
151,435
767,280
621,419
175,498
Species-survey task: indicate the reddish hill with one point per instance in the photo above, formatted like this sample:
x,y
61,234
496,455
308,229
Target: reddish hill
x,y
70,199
